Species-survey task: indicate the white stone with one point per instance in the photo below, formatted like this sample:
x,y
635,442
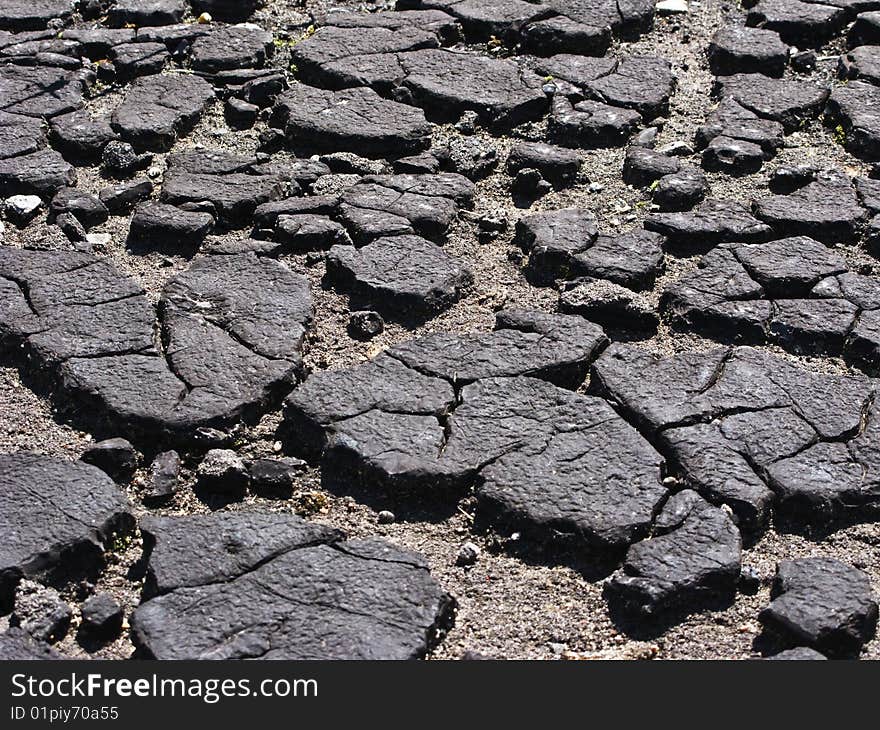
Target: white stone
x,y
668,7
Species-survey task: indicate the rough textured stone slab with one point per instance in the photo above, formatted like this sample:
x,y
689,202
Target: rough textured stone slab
x,y
713,222
822,603
275,587
400,272
727,418
158,109
552,347
231,329
357,120
56,515
692,558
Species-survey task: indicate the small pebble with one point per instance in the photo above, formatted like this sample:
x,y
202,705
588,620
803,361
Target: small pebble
x,y
386,517
468,554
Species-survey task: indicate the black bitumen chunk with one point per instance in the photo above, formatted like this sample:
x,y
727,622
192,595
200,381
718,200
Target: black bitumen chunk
x,y
232,330
565,243
41,173
63,531
680,190
643,83
826,209
642,166
552,347
865,31
101,616
732,120
693,558
862,62
563,467
823,604
276,587
116,457
234,196
787,101
119,198
713,222
405,273
85,207
739,49
40,611
853,106
799,22
354,120
275,477
163,227
79,136
18,645
158,109
231,47
18,15
801,653
138,59
611,305
40,91
164,477
590,124
732,421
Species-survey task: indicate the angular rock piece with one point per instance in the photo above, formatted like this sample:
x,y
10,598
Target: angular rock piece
x,y
232,331
610,305
853,107
865,31
862,62
222,471
101,616
734,122
383,384
234,196
727,418
81,137
822,603
158,109
590,124
787,101
138,59
576,472
557,165
400,272
826,209
159,226
275,477
799,22
277,587
18,15
18,645
164,475
737,49
801,653
642,166
356,120
692,558
115,457
40,611
552,347
145,12
231,47
713,222
643,83
44,173
39,91
56,516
